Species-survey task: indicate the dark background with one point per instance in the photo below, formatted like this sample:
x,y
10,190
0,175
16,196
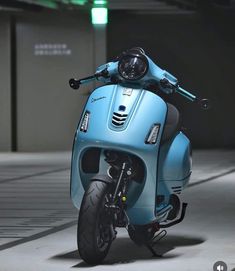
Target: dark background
x,y
199,50
193,41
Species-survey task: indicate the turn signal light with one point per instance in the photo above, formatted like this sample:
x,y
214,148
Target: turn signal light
x,y
153,134
85,122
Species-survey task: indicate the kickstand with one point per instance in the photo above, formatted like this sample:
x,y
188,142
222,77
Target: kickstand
x,y
154,241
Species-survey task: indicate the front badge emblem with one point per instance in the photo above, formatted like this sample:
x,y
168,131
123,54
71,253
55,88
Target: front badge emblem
x,y
127,91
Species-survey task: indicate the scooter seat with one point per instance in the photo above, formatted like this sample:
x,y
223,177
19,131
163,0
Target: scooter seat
x,y
172,124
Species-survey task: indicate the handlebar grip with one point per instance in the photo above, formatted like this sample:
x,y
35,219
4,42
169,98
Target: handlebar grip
x,y
186,94
73,83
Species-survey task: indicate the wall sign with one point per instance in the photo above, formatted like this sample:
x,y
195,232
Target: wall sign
x,y
51,49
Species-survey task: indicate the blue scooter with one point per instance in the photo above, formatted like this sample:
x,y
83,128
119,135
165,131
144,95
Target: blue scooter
x,y
130,160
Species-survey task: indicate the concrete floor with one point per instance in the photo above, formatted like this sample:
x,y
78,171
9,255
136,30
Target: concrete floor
x,y
38,221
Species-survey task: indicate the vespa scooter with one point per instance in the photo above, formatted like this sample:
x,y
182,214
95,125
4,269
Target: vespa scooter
x,y
130,160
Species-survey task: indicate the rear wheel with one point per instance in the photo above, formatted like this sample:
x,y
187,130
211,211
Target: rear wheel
x,y
95,229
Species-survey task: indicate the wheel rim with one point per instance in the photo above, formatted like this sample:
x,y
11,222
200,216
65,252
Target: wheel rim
x,y
103,237
103,228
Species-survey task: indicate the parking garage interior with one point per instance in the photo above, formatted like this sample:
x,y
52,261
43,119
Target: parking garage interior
x,y
44,43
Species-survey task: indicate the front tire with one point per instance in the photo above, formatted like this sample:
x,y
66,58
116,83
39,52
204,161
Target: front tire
x,y
94,236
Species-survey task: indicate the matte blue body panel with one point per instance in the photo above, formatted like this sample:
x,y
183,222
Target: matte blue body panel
x,y
144,109
174,167
175,159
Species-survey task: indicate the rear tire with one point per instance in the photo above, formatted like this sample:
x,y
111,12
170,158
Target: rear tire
x,y
94,231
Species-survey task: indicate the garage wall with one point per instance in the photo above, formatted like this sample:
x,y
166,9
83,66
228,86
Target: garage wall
x,y
5,84
51,48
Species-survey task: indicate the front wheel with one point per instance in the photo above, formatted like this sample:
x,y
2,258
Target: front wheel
x,y
94,235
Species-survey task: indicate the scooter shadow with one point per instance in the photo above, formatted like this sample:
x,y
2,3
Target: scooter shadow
x,y
124,251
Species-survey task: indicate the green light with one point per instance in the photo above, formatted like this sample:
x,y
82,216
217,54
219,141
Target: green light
x,y
99,15
78,2
100,2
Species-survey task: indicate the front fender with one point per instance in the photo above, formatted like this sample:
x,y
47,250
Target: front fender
x,y
103,178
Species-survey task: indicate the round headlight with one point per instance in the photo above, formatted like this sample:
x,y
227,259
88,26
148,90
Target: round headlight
x,y
133,66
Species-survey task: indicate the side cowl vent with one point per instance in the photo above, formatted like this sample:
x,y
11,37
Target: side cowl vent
x,y
177,189
118,119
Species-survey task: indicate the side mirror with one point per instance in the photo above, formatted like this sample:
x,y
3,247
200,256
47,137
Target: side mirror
x,y
205,104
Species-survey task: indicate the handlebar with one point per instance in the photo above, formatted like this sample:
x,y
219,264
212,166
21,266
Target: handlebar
x,y
185,94
204,103
165,83
75,84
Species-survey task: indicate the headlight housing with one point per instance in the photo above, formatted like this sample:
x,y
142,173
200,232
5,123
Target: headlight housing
x,y
133,66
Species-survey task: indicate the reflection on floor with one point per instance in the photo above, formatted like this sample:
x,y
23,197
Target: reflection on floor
x,y
34,197
37,218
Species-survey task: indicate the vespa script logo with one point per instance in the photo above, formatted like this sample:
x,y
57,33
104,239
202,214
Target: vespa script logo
x,y
97,99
